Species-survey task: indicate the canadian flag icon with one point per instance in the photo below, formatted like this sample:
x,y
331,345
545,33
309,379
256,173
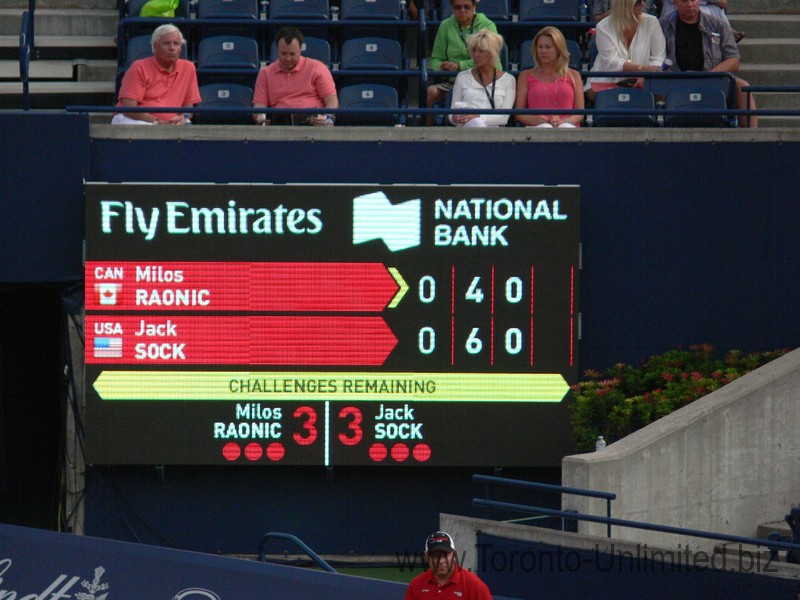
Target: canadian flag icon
x,y
106,293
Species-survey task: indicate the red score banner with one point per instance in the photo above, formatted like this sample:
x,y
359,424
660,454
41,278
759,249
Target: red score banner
x,y
238,286
238,340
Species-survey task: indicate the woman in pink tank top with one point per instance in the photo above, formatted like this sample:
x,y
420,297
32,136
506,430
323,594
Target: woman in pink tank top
x,y
550,83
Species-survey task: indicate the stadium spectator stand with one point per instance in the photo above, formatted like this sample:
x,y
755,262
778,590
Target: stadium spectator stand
x,y
765,61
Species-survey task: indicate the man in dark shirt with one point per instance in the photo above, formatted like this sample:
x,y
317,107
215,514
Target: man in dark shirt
x,y
699,42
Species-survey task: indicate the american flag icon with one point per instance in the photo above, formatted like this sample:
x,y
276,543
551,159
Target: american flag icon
x,y
106,293
107,347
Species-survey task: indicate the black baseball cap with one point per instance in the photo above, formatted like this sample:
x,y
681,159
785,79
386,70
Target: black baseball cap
x,y
439,540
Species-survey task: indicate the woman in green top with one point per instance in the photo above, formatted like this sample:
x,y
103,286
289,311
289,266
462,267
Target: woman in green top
x,y
450,46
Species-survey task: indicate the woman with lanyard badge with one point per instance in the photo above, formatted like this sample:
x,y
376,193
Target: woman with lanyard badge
x,y
450,51
483,86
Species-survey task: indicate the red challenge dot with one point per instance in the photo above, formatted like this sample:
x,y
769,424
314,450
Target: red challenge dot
x,y
275,451
377,452
400,452
422,452
231,451
253,451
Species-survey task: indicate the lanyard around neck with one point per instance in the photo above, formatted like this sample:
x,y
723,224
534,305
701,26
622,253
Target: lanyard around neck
x,y
461,32
494,83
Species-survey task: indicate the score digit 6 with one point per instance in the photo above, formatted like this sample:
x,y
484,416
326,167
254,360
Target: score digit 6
x,y
354,414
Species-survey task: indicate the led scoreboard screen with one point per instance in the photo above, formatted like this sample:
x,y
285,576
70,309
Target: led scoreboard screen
x,y
330,324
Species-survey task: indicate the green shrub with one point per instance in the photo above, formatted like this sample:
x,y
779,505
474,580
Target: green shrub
x,y
626,397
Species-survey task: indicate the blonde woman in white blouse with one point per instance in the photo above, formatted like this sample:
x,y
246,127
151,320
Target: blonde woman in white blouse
x,y
627,40
484,86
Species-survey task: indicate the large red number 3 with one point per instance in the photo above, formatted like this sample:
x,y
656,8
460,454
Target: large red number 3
x,y
309,426
354,426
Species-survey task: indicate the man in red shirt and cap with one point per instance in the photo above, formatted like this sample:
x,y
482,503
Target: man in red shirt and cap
x,y
446,578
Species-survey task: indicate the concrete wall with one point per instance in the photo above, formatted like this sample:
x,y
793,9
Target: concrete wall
x,y
724,463
528,563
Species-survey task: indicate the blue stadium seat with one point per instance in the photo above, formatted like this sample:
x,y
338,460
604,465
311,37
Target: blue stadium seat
x,y
548,10
238,10
223,95
622,99
496,10
132,10
661,86
575,55
140,47
227,9
593,51
372,53
387,10
699,97
299,9
375,54
228,58
366,96
135,7
370,9
312,47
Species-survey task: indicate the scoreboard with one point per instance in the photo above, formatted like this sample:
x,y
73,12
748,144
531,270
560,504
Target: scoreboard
x,y
330,324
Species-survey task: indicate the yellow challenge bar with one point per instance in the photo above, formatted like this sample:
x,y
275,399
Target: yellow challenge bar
x,y
320,385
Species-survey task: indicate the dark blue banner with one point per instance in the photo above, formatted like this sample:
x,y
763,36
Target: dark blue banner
x,y
44,565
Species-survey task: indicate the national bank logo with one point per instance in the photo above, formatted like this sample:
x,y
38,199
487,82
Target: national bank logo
x,y
376,218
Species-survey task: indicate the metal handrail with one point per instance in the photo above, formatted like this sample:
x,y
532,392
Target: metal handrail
x,y
548,487
722,537
25,60
302,545
30,29
403,110
749,89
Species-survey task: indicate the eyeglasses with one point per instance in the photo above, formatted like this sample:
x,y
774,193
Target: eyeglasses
x,y
463,6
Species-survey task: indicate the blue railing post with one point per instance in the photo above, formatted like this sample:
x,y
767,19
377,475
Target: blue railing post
x,y
297,541
546,487
31,30
25,60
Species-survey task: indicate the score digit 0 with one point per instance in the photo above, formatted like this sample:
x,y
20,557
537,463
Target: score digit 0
x,y
514,292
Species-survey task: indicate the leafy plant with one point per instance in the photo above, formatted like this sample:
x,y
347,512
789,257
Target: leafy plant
x,y
626,397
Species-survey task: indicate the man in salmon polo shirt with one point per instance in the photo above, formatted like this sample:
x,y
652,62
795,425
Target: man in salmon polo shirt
x,y
163,80
294,81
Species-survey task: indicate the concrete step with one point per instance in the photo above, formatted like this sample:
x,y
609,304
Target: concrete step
x,y
42,69
775,101
66,22
775,50
770,74
61,70
763,6
63,47
110,4
746,556
779,122
58,94
782,527
767,25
